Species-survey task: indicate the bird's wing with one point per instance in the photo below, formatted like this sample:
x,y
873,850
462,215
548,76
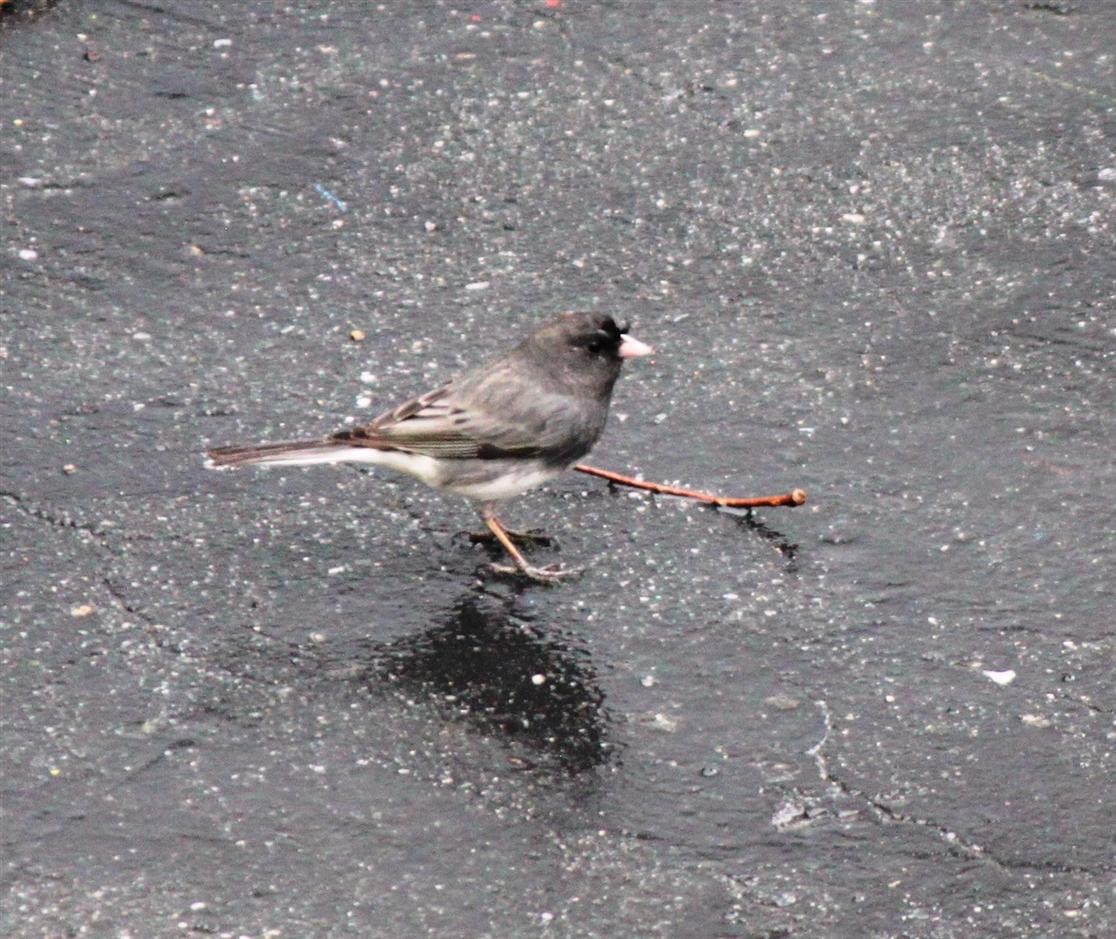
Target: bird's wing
x,y
482,417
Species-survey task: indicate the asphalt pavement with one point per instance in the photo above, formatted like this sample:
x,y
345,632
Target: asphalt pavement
x,y
873,244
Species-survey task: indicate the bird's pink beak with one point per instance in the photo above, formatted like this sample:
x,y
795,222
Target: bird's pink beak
x,y
631,348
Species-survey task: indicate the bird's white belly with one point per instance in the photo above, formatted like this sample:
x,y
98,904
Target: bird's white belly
x,y
516,480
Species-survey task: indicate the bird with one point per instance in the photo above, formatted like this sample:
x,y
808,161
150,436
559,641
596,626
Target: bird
x,y
492,433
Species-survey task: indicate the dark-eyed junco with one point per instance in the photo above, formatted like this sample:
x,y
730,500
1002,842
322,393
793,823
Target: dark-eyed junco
x,y
492,433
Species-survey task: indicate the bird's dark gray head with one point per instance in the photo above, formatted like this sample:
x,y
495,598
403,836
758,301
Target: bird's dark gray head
x,y
582,350
588,336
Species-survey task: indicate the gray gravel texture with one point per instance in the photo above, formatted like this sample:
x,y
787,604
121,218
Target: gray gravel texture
x,y
874,244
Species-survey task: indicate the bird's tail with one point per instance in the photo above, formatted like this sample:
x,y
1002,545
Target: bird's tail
x,y
288,453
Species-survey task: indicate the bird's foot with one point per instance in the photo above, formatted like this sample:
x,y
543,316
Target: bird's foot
x,y
551,574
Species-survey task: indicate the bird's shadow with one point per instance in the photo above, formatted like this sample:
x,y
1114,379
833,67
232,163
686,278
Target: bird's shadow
x,y
487,664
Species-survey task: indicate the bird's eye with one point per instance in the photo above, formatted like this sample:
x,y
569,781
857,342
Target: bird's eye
x,y
597,341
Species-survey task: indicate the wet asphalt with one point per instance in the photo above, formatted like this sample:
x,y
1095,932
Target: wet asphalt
x,y
874,245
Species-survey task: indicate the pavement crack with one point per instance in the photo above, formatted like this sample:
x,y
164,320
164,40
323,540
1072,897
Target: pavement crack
x,y
1082,701
117,593
52,517
958,844
817,750
182,743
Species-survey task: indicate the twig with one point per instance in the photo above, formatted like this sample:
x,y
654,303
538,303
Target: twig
x,y
792,498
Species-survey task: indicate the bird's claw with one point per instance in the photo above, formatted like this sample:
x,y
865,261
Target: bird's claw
x,y
552,574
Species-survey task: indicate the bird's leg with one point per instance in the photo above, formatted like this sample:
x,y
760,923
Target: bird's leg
x,y
792,498
530,536
502,536
546,575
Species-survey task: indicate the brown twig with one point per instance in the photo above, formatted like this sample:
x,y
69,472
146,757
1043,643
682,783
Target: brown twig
x,y
792,498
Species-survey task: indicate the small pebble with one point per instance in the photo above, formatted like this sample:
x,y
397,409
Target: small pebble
x,y
357,335
781,702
